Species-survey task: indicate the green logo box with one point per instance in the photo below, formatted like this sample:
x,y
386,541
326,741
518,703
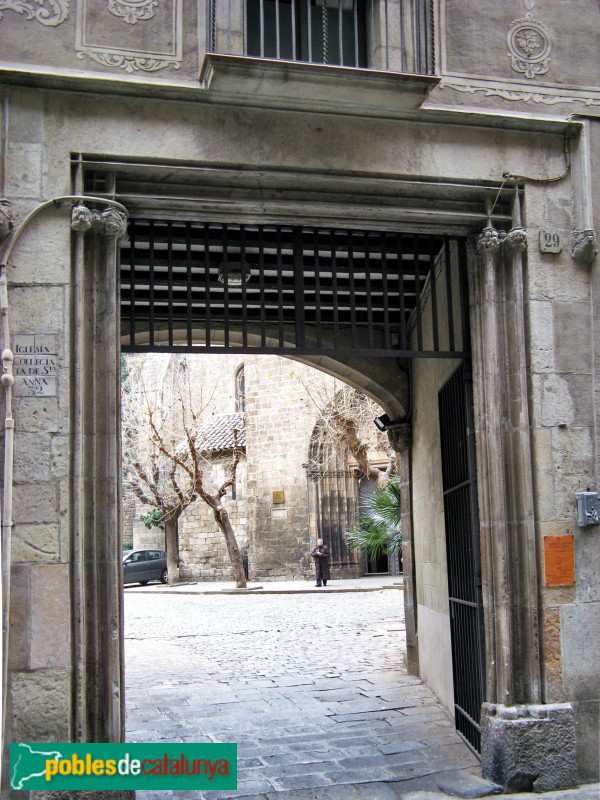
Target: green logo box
x,y
54,766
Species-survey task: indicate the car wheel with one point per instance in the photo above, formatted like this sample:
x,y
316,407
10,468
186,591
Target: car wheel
x,y
164,578
143,583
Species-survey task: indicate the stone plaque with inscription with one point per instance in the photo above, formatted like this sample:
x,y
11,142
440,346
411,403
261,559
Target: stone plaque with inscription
x,y
35,364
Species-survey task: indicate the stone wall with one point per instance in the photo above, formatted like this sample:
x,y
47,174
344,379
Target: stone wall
x,y
435,655
564,383
429,534
202,547
280,420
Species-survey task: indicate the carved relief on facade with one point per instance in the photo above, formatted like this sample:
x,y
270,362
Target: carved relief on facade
x,y
583,247
529,44
133,10
6,218
152,46
47,12
110,222
550,98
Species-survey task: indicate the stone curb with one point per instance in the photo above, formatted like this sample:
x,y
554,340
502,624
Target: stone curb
x,y
258,590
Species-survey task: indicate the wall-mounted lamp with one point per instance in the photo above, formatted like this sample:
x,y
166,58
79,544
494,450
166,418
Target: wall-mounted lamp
x,y
384,423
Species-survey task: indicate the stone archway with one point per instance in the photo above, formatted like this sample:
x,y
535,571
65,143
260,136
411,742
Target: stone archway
x,y
508,545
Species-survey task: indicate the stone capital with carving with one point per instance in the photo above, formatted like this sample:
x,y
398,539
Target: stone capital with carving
x,y
400,437
488,241
82,218
114,223
6,219
516,239
583,247
111,222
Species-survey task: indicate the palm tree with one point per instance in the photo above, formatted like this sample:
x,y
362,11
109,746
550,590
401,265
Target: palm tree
x,y
380,530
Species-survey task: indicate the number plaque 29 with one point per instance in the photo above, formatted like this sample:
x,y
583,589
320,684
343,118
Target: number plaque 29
x,y
550,240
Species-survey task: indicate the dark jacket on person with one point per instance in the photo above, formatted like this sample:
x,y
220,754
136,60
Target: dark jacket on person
x,y
321,557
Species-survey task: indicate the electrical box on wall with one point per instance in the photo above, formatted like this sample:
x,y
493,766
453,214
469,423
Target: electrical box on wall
x,y
588,511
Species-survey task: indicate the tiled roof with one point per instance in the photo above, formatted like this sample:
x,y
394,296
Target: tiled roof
x,y
216,433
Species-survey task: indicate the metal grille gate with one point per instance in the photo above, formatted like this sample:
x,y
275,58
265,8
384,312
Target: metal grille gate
x,y
302,290
463,552
210,287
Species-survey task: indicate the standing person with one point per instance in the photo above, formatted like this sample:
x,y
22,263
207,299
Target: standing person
x,y
321,556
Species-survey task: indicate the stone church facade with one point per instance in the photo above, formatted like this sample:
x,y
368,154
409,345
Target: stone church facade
x,y
279,506
406,198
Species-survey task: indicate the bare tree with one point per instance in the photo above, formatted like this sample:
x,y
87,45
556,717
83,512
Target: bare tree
x,y
164,462
346,422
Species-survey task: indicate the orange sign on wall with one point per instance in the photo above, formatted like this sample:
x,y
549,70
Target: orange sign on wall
x,y
559,558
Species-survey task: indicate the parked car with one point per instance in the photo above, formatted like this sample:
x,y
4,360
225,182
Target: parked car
x,y
141,566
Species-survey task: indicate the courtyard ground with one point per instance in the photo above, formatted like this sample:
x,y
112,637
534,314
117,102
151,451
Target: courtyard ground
x,y
311,684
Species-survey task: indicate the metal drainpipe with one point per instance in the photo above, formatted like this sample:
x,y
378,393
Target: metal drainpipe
x,y
7,381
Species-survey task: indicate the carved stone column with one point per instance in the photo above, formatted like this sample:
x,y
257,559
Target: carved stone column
x,y
96,469
400,439
508,542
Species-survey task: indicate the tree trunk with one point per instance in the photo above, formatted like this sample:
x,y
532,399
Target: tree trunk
x,y
172,546
235,556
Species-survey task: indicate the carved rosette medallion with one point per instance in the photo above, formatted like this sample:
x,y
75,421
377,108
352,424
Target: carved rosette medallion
x,y
132,10
529,44
47,12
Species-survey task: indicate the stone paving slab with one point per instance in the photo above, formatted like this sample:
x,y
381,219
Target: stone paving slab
x,y
312,687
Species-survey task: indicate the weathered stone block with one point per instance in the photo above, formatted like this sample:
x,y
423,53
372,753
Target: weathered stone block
x,y
587,726
529,747
36,542
37,414
572,452
43,257
32,460
24,170
20,618
42,509
580,633
541,326
545,474
50,618
552,655
587,566
40,707
572,340
40,309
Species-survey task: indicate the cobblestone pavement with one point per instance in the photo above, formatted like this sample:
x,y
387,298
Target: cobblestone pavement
x,y
312,687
